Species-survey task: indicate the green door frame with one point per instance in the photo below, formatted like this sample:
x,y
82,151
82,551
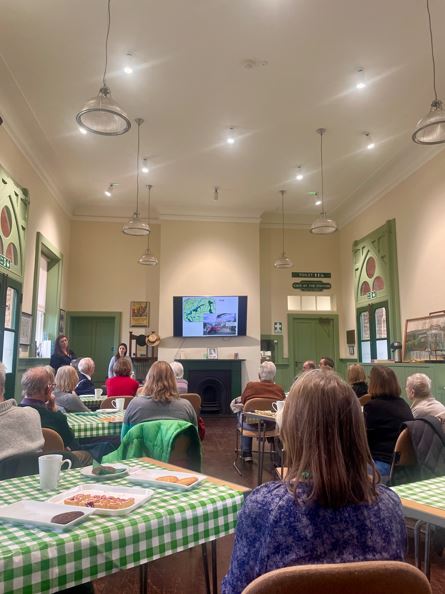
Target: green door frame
x,y
371,308
7,281
117,315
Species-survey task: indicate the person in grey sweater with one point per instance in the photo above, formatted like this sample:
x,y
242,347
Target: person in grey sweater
x,y
20,429
423,403
66,380
158,399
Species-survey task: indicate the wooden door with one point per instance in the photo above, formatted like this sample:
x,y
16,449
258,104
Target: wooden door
x,y
313,338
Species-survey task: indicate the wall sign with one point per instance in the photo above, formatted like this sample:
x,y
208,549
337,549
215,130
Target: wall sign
x,y
278,327
5,262
371,294
311,286
311,275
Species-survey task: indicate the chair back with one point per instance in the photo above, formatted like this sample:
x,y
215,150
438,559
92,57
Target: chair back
x,y
108,402
195,401
372,577
53,441
258,404
364,399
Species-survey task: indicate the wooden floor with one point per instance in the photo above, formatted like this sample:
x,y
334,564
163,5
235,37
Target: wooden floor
x,y
182,573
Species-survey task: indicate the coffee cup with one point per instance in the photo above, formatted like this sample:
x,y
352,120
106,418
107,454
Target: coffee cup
x,y
278,405
49,470
118,403
98,392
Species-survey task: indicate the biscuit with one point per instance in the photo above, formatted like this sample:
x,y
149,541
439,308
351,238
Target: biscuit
x,y
188,480
167,479
66,517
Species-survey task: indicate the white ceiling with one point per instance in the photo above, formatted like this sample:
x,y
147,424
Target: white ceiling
x,y
190,86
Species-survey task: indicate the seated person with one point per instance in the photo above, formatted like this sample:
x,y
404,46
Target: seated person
x,y
181,383
328,510
265,388
20,430
357,379
36,391
308,365
159,399
66,399
327,363
423,403
122,384
384,415
86,369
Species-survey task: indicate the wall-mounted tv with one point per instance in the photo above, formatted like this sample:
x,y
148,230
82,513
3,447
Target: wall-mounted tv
x,y
209,316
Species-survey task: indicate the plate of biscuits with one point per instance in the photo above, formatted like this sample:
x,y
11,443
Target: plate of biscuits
x,y
104,472
166,479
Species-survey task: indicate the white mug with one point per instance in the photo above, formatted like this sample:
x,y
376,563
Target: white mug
x,y
278,405
49,470
118,403
98,392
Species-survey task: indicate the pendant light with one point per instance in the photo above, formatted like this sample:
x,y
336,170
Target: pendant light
x,y
101,114
431,128
322,225
147,258
283,261
135,225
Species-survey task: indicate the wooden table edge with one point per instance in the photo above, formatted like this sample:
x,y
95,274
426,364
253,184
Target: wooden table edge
x,y
212,479
428,513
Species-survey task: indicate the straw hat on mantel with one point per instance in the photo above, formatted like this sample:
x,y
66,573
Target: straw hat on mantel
x,y
153,339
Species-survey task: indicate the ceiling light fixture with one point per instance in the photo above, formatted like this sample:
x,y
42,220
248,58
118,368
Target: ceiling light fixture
x,y
299,175
231,136
109,190
370,144
431,128
361,83
82,130
145,167
128,68
147,258
283,261
101,114
322,225
318,203
135,225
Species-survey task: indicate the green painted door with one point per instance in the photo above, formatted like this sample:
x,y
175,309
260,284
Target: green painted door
x,y
93,337
10,307
313,338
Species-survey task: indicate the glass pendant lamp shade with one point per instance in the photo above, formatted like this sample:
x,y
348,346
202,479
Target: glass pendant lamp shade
x,y
136,226
102,115
148,259
431,128
323,225
283,262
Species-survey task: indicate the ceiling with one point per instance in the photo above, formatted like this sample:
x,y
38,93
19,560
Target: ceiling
x,y
190,85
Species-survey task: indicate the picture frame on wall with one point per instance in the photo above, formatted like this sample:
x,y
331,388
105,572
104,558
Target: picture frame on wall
x,y
424,338
212,353
139,314
62,319
25,329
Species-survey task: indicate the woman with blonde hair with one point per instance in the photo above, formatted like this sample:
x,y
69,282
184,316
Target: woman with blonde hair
x,y
159,399
65,382
328,510
357,379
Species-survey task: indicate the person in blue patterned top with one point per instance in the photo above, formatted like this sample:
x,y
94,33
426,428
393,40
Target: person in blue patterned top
x,y
330,508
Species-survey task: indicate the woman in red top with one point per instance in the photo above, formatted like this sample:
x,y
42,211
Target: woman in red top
x,y
121,384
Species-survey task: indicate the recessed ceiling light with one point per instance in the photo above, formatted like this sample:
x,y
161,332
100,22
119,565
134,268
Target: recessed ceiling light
x,y
82,130
370,144
318,203
299,175
231,136
109,190
128,64
145,167
361,82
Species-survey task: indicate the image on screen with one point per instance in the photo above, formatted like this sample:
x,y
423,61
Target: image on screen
x,y
210,316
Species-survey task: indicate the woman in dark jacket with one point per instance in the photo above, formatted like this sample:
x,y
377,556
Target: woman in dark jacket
x,y
357,379
62,354
384,415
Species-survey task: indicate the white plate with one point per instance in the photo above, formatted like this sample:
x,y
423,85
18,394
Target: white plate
x,y
39,513
147,476
140,497
88,473
107,411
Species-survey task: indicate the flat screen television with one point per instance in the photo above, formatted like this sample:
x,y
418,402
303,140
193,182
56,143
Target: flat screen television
x,y
209,316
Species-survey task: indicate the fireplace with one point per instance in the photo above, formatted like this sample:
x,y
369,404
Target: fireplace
x,y
216,381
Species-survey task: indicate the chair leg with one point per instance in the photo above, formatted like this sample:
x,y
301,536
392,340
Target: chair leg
x,y
417,526
237,446
205,562
427,564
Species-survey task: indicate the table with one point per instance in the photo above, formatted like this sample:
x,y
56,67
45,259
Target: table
x,y
95,425
424,501
92,401
33,560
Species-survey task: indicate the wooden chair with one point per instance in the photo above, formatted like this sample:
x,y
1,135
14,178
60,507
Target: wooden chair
x,y
404,459
108,402
53,441
364,399
195,401
370,577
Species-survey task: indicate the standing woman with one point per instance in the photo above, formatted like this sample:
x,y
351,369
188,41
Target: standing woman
x,y
121,353
62,354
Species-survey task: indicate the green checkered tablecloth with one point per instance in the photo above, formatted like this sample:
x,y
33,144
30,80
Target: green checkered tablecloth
x,y
430,492
33,561
91,400
92,425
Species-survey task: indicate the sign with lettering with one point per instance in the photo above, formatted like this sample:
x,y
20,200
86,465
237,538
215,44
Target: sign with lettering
x,y
5,262
371,295
311,286
311,275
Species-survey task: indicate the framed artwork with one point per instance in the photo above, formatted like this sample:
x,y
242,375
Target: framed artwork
x,y
25,329
425,338
62,318
139,314
212,353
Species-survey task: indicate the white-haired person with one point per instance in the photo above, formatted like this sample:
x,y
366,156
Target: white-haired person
x,y
423,403
181,383
65,382
86,369
264,388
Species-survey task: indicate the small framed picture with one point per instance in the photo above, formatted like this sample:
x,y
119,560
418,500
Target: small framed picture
x,y
212,353
62,316
25,329
139,314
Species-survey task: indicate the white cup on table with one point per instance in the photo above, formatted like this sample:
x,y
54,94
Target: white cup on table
x,y
278,405
49,470
118,403
98,392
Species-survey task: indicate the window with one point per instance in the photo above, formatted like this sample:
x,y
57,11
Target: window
x,y
311,303
10,328
41,301
373,333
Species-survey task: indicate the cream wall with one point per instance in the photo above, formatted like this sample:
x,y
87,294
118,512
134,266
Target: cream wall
x,y
418,205
309,253
208,258
105,274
